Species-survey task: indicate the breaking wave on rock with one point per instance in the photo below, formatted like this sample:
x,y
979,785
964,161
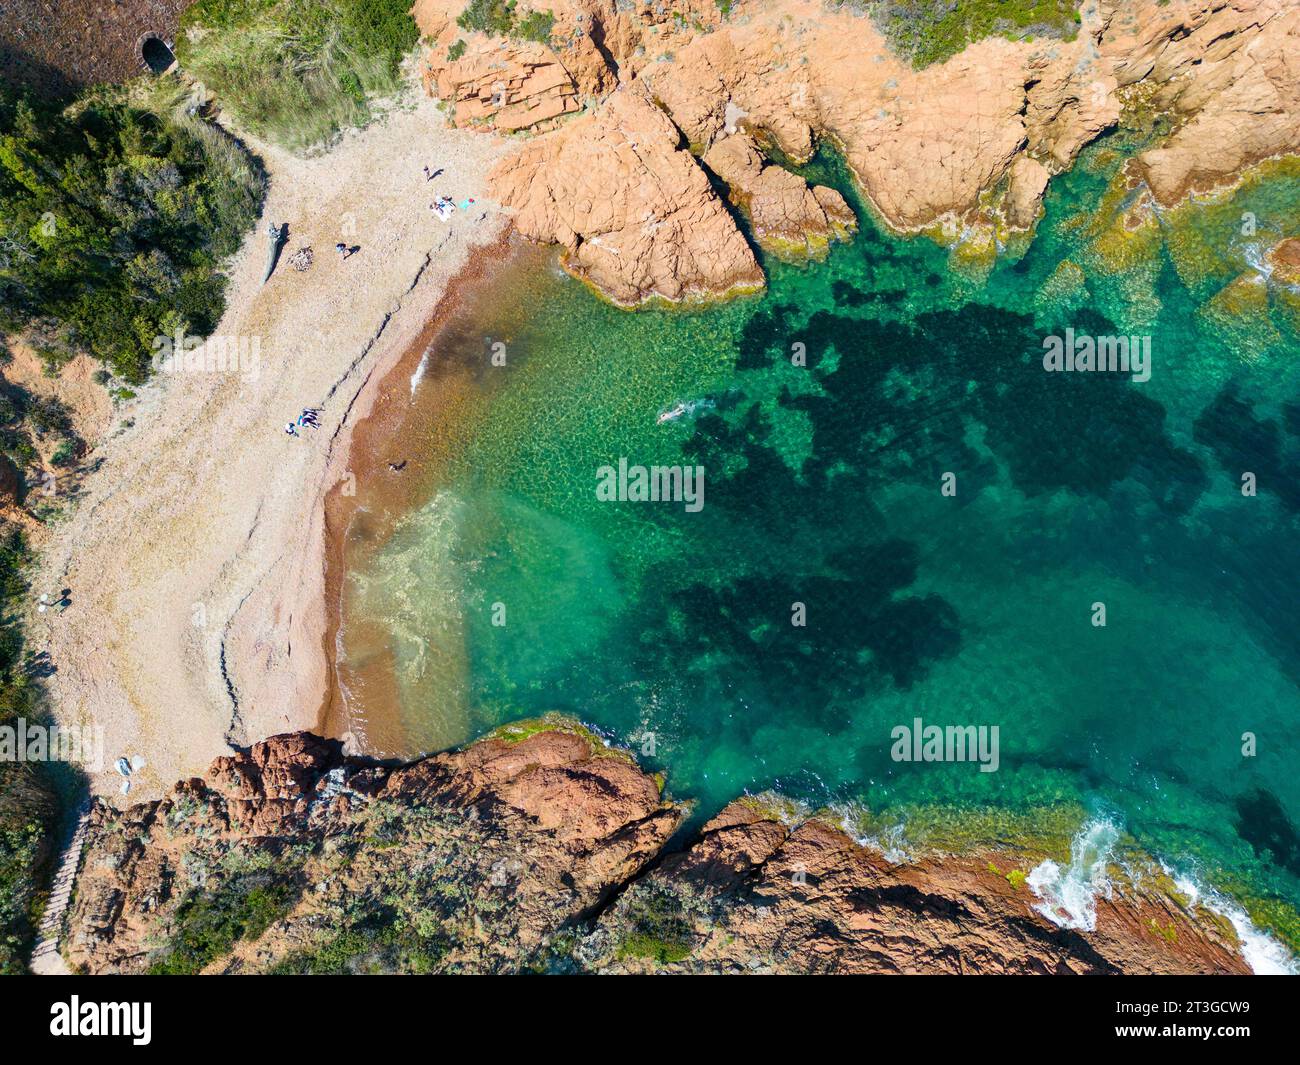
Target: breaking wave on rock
x,y
1069,896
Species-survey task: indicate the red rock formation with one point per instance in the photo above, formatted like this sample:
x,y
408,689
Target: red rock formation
x,y
515,86
1284,259
755,895
631,206
926,145
1026,182
788,217
547,853
1228,71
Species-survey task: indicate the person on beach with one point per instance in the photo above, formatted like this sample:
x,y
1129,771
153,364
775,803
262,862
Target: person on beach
x,y
291,429
343,250
309,417
61,603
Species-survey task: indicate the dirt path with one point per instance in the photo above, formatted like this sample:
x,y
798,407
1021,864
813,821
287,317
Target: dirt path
x,y
194,558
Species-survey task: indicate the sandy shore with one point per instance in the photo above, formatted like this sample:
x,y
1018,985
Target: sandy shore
x,y
195,558
381,433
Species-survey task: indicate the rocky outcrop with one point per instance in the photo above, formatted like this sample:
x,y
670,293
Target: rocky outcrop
x,y
633,210
512,87
1284,261
972,140
1026,182
754,894
788,217
542,849
1227,71
474,860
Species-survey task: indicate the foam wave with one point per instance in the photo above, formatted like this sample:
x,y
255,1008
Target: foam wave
x,y
1069,896
1264,954
418,376
890,842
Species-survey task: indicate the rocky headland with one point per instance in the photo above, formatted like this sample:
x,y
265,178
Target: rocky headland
x,y
637,113
542,849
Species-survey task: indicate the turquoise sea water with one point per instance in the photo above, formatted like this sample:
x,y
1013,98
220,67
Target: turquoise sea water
x,y
823,487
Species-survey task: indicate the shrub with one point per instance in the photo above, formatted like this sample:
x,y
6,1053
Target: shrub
x,y
658,929
930,31
28,806
298,71
208,925
115,216
536,26
24,415
488,16
501,18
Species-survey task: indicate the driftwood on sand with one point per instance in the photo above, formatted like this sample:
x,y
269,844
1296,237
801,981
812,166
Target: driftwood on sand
x,y
276,235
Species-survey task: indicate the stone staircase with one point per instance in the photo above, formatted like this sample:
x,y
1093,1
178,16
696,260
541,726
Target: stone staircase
x,y
46,959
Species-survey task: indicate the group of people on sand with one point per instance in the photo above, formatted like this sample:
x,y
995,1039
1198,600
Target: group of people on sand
x,y
309,418
443,207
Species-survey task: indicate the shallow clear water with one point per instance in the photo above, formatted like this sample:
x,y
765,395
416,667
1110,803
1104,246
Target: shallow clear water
x,y
823,487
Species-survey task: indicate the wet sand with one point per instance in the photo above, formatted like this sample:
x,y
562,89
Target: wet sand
x,y
420,428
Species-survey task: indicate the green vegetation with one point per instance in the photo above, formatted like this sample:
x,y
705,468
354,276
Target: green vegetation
x,y
298,71
209,925
518,731
28,807
26,419
1169,935
660,931
385,946
115,216
1016,877
456,50
930,31
1037,831
501,18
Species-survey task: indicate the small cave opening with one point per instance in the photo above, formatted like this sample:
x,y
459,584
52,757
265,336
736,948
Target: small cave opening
x,y
155,53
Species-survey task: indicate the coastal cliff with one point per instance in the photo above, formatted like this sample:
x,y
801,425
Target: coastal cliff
x,y
540,848
633,107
